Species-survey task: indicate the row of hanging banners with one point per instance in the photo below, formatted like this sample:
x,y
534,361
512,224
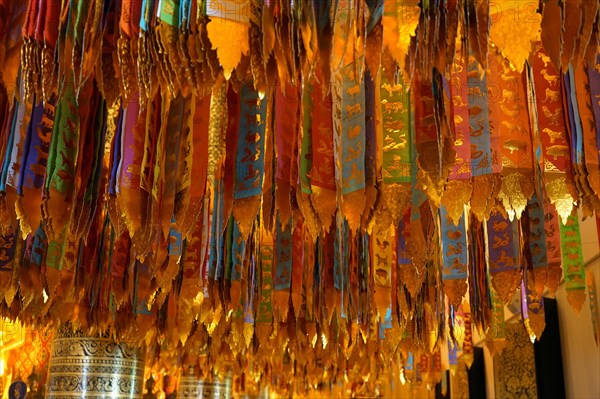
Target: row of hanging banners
x,y
318,192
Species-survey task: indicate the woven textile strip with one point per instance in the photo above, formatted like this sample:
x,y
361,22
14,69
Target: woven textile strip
x,y
458,189
536,238
193,166
412,274
323,171
264,313
179,111
286,125
349,142
129,198
16,146
238,261
495,338
283,266
532,307
382,263
572,260
594,85
510,125
297,264
426,139
341,261
8,247
558,183
250,156
575,136
395,147
553,248
593,294
303,165
485,170
503,255
34,164
454,257
589,134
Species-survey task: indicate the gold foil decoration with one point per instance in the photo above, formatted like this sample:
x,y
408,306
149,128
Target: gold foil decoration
x,y
559,192
515,25
456,194
516,189
482,205
231,41
400,21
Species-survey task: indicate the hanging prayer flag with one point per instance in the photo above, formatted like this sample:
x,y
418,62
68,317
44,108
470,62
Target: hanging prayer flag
x,y
250,157
264,313
532,307
510,123
458,190
287,108
485,168
593,294
553,248
590,131
349,142
319,123
283,267
572,260
495,338
558,184
382,263
454,257
395,146
503,257
535,235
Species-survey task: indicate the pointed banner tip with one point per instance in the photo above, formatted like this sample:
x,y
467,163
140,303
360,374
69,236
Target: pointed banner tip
x,y
576,299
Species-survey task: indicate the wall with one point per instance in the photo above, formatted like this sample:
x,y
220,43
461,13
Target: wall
x,y
581,354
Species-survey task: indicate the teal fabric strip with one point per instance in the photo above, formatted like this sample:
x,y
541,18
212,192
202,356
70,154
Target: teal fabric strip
x,y
353,130
250,154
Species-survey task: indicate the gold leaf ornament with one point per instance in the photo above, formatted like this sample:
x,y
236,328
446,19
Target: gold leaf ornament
x,y
400,21
230,39
515,25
